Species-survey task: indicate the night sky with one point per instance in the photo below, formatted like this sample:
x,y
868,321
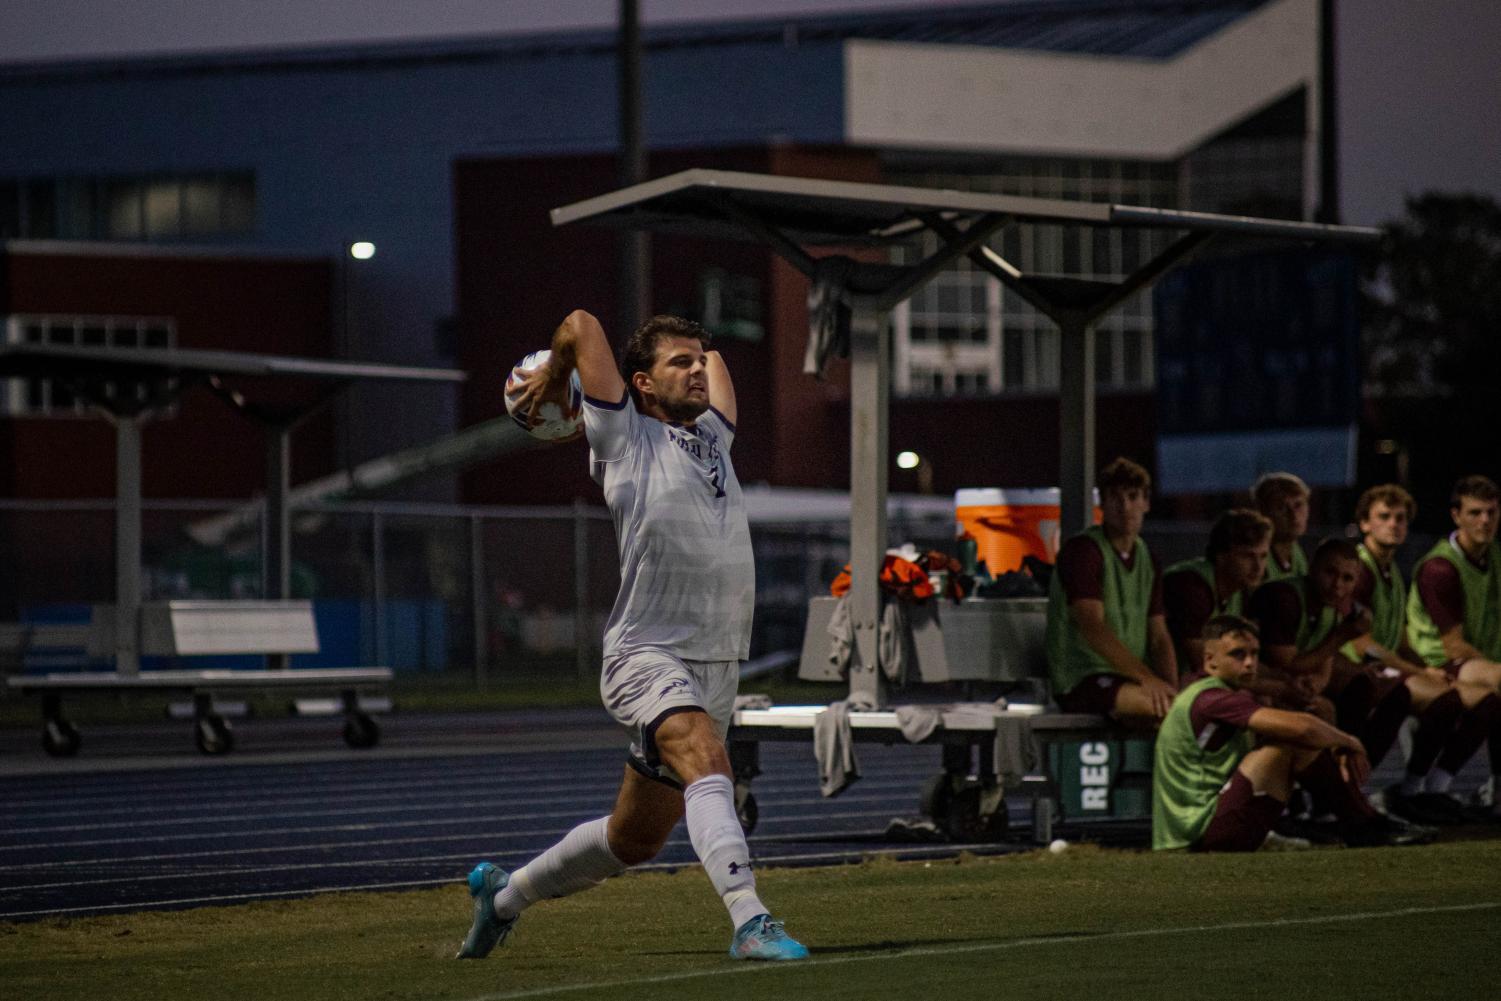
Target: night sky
x,y
1420,87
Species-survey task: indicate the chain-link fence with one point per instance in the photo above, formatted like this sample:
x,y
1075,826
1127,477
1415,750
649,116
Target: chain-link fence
x,y
481,593
485,592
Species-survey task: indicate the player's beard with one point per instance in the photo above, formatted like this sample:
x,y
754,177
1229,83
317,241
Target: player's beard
x,y
684,410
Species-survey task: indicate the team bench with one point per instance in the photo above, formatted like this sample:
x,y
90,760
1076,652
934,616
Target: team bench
x,y
276,629
974,642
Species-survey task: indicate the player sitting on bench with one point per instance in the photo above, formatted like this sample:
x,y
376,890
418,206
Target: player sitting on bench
x,y
1109,651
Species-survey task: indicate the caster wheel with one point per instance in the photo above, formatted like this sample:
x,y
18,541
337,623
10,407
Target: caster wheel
x,y
746,810
360,731
213,735
60,738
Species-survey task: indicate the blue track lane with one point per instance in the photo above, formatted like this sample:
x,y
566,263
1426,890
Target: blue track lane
x,y
139,821
142,825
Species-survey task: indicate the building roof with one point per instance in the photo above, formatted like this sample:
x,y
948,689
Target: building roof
x,y
1143,29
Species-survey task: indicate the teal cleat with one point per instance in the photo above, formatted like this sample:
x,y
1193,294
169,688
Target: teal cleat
x,y
487,931
763,938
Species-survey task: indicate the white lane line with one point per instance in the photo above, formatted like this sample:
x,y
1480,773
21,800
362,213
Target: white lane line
x,y
385,792
956,950
907,850
496,839
868,794
324,779
568,815
330,775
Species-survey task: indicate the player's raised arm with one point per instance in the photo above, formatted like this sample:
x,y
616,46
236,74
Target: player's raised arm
x,y
580,342
721,387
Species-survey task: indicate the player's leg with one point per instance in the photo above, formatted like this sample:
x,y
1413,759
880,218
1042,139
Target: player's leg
x,y
1481,707
691,744
1112,695
1438,708
586,856
1393,704
1251,801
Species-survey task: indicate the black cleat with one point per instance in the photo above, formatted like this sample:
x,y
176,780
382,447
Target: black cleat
x,y
1380,832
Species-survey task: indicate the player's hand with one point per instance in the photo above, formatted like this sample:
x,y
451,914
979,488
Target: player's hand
x,y
537,387
1353,764
1161,694
1438,674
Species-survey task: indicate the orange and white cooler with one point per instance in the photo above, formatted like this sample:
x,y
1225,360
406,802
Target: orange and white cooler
x,y
1011,523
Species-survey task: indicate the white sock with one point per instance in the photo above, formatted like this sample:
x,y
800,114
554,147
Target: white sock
x,y
1440,780
581,860
720,844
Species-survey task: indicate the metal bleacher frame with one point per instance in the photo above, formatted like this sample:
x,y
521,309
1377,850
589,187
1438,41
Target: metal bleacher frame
x,y
130,387
790,214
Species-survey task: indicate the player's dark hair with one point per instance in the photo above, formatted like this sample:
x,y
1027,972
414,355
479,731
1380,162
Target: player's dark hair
x,y
1390,494
1223,625
1481,488
1334,549
1123,474
1272,488
1237,527
640,350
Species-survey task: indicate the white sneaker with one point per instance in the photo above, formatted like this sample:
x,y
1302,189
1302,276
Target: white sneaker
x,y
1282,843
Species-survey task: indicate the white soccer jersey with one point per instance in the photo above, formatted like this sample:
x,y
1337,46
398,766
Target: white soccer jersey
x,y
687,574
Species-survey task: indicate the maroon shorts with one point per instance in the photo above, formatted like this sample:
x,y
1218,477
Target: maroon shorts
x,y
1094,695
1241,819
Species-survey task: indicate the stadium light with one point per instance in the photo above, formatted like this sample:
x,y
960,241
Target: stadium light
x,y
908,460
362,250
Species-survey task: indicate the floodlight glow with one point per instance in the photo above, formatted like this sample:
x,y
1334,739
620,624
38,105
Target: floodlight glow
x,y
908,460
362,251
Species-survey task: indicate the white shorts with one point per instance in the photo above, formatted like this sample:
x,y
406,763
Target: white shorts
x,y
643,687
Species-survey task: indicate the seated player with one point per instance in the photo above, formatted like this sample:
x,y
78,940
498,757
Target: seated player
x,y
1448,715
1109,651
1215,789
1283,498
1305,621
1218,583
1454,621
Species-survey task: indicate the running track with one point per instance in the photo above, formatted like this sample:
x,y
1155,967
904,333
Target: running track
x,y
141,821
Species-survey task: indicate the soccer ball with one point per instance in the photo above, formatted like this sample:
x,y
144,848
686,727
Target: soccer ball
x,y
555,420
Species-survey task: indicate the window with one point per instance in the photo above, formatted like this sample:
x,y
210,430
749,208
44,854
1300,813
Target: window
x,y
153,207
45,398
965,334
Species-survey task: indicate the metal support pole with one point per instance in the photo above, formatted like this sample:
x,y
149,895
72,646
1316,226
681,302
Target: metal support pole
x,y
870,386
128,544
378,571
582,638
276,574
477,597
635,244
1076,421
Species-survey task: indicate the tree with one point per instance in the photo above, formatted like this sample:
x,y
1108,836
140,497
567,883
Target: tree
x,y
1432,338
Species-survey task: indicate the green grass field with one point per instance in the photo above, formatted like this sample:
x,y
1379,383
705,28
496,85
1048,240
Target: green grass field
x,y
1337,924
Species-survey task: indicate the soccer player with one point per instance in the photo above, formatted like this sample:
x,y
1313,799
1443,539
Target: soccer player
x,y
659,445
1211,791
1384,514
1305,620
1283,498
1454,618
1108,647
1218,583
